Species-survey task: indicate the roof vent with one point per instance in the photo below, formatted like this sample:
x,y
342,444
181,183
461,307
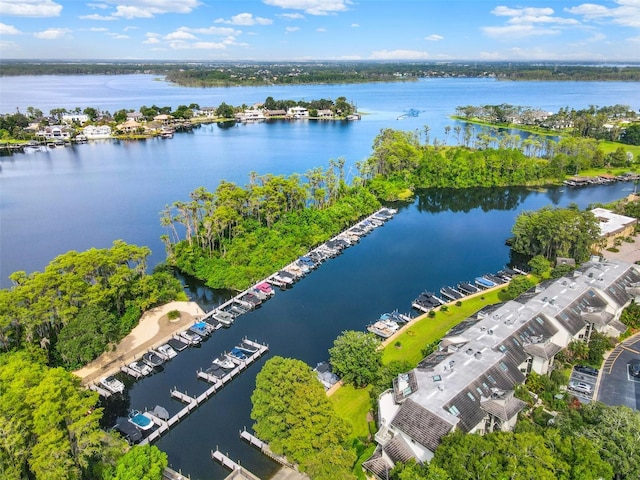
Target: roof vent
x,y
469,351
490,331
478,355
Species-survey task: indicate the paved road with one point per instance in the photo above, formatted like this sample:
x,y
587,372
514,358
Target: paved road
x,y
616,385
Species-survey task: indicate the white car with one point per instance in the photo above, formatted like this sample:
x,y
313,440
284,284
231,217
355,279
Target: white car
x,y
581,387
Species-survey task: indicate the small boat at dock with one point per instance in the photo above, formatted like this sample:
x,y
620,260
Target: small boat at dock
x,y
177,344
140,420
265,288
247,347
225,318
467,288
201,328
112,384
223,362
484,283
152,358
451,293
237,354
167,351
140,367
190,337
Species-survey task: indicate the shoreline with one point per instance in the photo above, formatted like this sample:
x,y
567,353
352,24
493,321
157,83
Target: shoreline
x,y
153,329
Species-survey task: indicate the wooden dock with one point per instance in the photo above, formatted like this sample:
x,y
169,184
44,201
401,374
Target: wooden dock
x,y
194,402
237,472
264,448
101,391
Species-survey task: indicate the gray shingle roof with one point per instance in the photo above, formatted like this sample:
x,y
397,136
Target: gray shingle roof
x,y
398,450
503,406
377,465
420,424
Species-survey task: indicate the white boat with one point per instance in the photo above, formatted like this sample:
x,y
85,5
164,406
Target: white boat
x,y
167,351
225,318
140,367
190,337
140,420
224,362
112,384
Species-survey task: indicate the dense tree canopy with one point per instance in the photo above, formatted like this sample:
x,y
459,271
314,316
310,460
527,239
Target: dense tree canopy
x,y
141,463
84,300
355,357
294,415
555,232
49,425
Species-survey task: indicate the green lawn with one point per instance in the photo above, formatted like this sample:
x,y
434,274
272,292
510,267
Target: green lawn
x,y
353,404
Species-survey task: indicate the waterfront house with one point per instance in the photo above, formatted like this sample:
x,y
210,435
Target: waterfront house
x,y
130,126
275,113
135,116
468,383
75,118
325,114
163,119
298,112
54,132
209,112
613,226
97,131
250,115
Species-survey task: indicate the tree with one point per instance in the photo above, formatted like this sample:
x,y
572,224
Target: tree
x,y
141,463
355,357
91,112
330,463
293,413
225,111
613,430
518,285
539,265
631,135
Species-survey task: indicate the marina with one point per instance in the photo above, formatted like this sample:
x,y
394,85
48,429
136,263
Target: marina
x,y
193,402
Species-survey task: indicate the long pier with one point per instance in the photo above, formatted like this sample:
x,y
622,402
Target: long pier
x,y
264,448
192,402
237,472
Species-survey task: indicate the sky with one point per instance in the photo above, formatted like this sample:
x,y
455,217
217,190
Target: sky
x,y
308,30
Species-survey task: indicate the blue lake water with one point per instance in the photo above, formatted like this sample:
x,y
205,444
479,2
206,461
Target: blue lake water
x,y
89,195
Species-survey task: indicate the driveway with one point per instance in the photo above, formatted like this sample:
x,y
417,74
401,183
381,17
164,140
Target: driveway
x,y
616,385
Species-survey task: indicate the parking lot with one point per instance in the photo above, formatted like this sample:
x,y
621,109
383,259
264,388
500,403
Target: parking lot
x,y
582,385
617,385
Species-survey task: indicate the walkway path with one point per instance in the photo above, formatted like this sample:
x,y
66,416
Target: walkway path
x,y
154,329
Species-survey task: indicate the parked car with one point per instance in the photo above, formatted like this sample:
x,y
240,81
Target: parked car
x,y
581,387
634,367
586,370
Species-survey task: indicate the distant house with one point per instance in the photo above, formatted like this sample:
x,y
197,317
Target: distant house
x,y
97,131
298,112
164,119
325,114
130,126
209,112
75,118
135,116
54,132
250,115
275,113
613,226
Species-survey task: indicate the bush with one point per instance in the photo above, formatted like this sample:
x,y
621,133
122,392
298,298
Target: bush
x,y
173,315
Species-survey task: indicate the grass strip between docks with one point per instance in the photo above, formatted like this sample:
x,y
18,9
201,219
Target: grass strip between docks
x,y
354,404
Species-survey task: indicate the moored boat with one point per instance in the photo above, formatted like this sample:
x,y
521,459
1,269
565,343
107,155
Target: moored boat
x,y
237,354
152,358
223,362
247,347
190,337
177,344
201,328
140,367
140,420
383,328
167,351
225,318
484,283
112,384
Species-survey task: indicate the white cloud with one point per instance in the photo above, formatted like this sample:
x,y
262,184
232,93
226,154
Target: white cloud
x,y
517,31
101,6
312,7
211,30
150,8
321,30
30,8
8,30
118,36
180,35
130,27
152,38
95,16
52,33
434,38
355,25
291,16
399,55
627,13
292,29
503,11
245,19
98,29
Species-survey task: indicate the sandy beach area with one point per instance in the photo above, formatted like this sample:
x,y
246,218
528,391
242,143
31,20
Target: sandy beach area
x,y
153,330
